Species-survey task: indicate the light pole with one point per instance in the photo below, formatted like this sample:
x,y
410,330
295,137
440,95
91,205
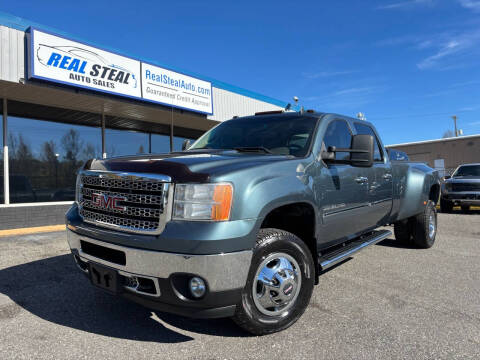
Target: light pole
x,y
454,117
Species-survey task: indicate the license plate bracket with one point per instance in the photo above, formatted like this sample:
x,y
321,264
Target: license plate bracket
x,y
104,277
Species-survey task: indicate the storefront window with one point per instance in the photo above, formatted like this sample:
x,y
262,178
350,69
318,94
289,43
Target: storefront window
x,y
124,142
45,156
161,143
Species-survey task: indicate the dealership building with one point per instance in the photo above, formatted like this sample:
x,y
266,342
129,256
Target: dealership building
x,y
446,154
66,100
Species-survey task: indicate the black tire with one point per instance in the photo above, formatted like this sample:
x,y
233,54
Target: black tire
x,y
423,236
446,206
269,243
403,231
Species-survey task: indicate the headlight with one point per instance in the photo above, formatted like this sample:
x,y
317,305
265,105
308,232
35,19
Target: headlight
x,y
202,202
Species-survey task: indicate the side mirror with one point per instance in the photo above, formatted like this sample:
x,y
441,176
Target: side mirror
x,y
447,177
185,144
361,154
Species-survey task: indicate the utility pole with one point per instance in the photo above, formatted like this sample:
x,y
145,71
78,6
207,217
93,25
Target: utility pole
x,y
454,117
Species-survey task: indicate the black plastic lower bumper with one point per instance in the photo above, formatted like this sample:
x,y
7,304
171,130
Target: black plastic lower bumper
x,y
193,312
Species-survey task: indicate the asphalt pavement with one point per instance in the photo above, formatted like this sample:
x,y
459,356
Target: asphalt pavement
x,y
387,302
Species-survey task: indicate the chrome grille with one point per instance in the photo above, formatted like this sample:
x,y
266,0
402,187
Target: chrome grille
x,y
124,201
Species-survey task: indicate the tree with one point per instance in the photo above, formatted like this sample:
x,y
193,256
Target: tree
x,y
72,144
448,134
88,152
48,152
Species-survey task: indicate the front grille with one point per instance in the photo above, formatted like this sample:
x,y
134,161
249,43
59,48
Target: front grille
x,y
465,187
122,201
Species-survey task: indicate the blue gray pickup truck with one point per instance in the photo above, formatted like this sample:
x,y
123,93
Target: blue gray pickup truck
x,y
243,222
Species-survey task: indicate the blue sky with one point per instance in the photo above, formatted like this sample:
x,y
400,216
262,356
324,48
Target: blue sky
x,y
407,64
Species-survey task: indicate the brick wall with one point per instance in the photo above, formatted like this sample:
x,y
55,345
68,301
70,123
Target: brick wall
x,y
30,216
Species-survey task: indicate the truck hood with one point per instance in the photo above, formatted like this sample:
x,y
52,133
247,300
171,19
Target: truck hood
x,y
463,179
189,166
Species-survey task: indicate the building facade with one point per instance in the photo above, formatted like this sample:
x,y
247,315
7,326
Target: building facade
x,y
443,154
64,101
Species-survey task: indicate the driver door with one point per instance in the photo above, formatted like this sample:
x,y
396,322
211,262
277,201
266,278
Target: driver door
x,y
341,190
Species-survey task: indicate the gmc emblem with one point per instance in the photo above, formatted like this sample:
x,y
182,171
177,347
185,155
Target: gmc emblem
x,y
108,202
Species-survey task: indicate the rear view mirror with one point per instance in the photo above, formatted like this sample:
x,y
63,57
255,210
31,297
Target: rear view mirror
x,y
361,153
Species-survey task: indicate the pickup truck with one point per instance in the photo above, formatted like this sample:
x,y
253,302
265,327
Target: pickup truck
x,y
243,222
462,188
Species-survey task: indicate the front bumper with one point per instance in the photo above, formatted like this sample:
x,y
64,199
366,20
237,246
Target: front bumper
x,y
225,275
462,198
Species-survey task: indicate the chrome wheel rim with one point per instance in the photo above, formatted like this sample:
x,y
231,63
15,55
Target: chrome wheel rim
x,y
431,226
276,284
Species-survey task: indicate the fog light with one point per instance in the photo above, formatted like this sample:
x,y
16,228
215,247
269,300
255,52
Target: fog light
x,y
197,287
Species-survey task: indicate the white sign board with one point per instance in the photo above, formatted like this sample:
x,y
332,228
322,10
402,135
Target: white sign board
x,y
69,62
176,89
57,59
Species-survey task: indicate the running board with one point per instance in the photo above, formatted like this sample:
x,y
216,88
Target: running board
x,y
330,259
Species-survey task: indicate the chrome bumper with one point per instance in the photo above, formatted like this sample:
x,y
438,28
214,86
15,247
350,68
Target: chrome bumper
x,y
221,271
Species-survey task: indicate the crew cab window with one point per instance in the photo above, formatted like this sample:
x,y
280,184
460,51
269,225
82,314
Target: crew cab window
x,y
338,134
363,129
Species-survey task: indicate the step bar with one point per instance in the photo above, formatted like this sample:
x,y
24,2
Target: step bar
x,y
329,260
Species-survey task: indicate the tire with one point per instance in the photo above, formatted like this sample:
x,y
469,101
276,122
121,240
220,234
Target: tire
x,y
272,248
403,231
446,206
425,227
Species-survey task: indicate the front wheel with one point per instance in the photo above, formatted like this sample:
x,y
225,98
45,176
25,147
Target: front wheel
x,y
279,285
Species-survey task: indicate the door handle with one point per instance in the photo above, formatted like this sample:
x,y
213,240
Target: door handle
x,y
361,179
387,176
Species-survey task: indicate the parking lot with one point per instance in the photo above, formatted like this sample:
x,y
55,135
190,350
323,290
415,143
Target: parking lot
x,y
387,302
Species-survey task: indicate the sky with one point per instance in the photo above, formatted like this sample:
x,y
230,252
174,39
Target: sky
x,y
408,65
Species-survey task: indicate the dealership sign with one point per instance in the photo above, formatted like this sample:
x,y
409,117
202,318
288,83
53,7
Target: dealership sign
x,y
54,58
169,87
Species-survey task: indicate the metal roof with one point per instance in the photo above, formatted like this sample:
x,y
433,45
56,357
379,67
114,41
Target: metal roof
x,y
21,24
435,141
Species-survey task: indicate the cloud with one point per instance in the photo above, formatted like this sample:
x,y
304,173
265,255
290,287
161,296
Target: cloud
x,y
324,74
446,48
470,4
405,4
358,90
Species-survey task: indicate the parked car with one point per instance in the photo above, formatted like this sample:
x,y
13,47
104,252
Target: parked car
x,y
461,189
243,223
397,155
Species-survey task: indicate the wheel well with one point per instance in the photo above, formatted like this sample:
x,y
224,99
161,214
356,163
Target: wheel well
x,y
298,219
434,193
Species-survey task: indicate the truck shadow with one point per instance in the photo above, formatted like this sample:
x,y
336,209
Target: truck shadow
x,y
54,290
391,242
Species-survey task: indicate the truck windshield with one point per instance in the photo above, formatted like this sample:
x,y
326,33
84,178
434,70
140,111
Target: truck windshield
x,y
467,170
281,135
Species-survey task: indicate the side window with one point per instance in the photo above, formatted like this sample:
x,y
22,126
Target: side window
x,y
338,134
363,129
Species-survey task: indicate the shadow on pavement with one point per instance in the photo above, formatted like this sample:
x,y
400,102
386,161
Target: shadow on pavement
x,y
54,290
395,244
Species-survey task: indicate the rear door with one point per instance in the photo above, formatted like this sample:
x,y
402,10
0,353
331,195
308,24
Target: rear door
x,y
340,189
380,191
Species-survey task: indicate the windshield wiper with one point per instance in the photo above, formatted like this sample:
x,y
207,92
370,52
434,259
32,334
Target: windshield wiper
x,y
253,149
